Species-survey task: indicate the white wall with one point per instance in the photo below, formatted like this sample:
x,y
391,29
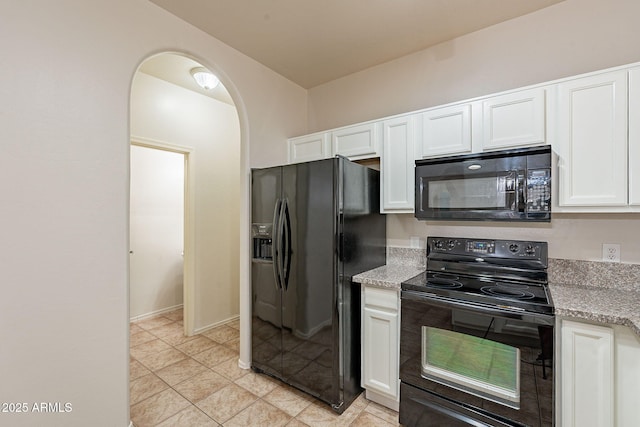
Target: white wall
x,y
156,230
569,38
165,112
570,236
66,70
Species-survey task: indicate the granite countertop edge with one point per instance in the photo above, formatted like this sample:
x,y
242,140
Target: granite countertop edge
x,y
615,301
601,305
388,276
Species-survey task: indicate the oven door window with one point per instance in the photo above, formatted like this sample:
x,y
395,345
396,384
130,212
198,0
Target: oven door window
x,y
481,192
478,366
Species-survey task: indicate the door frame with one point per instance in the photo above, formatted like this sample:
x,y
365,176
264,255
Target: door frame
x,y
188,265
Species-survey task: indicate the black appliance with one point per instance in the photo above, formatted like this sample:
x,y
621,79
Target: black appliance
x,y
314,226
476,339
509,185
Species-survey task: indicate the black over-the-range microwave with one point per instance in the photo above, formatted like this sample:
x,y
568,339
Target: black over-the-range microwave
x,y
509,185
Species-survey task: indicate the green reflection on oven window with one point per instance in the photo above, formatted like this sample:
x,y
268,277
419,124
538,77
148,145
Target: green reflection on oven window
x,y
472,357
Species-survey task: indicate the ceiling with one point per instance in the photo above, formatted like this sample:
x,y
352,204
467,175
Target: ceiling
x,y
176,69
312,42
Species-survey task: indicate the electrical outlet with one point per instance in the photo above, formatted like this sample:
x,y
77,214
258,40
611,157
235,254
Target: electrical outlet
x,y
611,252
415,242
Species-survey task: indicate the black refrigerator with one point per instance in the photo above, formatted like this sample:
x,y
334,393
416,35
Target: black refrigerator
x,y
314,226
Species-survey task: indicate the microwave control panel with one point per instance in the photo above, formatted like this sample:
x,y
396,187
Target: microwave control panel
x,y
539,190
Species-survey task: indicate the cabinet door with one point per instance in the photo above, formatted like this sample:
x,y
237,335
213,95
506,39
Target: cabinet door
x,y
357,142
592,140
446,130
587,369
514,119
398,164
305,148
634,137
380,370
627,350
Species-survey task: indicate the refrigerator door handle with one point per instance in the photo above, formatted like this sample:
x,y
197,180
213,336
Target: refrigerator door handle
x,y
286,242
275,242
279,245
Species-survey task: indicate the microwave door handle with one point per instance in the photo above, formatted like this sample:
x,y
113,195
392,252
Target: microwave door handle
x,y
521,192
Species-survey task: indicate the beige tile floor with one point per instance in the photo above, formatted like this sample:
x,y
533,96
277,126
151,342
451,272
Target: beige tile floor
x,y
195,381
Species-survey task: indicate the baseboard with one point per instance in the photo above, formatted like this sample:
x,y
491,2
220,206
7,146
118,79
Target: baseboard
x,y
243,365
155,313
215,325
385,401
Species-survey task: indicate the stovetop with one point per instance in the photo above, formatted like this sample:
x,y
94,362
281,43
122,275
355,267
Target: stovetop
x,y
510,274
519,296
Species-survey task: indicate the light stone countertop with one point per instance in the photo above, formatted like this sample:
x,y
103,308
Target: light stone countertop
x,y
402,264
594,291
388,276
602,305
600,292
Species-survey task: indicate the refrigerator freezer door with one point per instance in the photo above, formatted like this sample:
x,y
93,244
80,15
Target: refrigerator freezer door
x,y
266,343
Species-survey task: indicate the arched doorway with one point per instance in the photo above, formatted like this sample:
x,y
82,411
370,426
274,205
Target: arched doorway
x,y
170,112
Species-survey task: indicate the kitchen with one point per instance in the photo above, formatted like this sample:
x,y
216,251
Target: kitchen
x,y
452,186
78,125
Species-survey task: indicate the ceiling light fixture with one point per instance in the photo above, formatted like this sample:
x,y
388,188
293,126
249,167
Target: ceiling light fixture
x,y
205,79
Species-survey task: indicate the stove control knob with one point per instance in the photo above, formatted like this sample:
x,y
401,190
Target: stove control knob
x,y
451,244
530,250
514,247
439,244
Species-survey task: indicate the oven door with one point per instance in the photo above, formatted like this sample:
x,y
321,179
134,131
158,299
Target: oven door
x,y
490,360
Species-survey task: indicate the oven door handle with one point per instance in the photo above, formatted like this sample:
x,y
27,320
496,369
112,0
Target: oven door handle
x,y
498,311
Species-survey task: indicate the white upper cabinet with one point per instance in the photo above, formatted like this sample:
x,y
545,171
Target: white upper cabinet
x,y
592,140
514,119
446,131
592,121
358,141
634,137
305,148
397,164
355,142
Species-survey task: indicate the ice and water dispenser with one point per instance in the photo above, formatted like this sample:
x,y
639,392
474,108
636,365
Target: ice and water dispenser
x,y
262,243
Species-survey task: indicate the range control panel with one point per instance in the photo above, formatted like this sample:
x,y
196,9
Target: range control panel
x,y
488,247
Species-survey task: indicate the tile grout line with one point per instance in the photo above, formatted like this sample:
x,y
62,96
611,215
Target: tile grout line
x,y
228,377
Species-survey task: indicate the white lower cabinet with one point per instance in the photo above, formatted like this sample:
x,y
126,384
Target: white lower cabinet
x,y
599,383
381,345
586,375
627,384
